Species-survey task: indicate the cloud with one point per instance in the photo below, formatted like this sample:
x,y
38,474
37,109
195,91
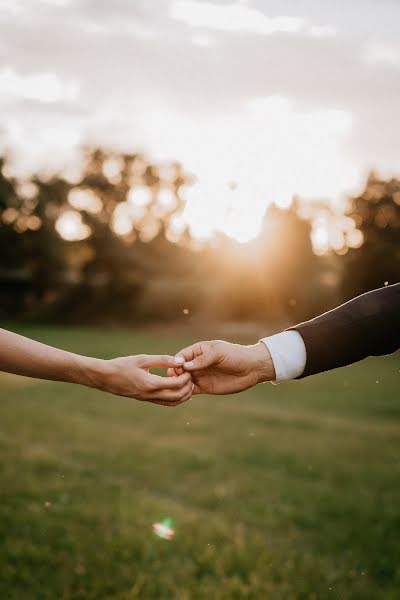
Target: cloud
x,y
323,31
239,17
381,53
137,63
9,8
232,17
42,87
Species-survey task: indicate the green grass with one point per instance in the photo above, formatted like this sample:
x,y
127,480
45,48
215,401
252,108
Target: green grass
x,y
280,492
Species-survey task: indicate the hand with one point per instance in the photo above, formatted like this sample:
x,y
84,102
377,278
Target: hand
x,y
221,368
129,376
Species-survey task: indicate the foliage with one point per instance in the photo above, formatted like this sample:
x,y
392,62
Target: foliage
x,y
377,214
102,273
128,256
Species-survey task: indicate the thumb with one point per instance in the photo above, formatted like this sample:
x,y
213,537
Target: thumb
x,y
200,362
198,356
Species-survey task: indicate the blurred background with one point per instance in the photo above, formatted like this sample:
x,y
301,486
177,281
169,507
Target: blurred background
x,y
214,157
179,169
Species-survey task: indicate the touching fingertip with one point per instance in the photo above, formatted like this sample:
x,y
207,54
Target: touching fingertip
x,y
189,365
179,360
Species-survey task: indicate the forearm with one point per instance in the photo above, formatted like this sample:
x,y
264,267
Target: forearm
x,y
368,325
23,356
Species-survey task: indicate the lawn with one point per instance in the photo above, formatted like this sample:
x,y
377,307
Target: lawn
x,y
288,491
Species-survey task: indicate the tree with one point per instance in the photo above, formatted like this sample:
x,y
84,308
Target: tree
x,y
274,278
90,247
377,215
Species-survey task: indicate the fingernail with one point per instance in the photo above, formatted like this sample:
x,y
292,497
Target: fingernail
x,y
189,365
179,360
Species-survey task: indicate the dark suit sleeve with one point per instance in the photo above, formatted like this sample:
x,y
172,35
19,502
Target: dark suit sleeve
x,y
368,325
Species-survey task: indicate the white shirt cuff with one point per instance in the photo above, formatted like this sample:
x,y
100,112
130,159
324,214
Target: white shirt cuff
x,y
288,354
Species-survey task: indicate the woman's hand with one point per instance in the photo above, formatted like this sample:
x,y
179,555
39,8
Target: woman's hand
x,y
130,376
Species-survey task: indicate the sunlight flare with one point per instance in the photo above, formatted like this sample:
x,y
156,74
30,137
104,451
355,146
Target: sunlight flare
x,y
71,228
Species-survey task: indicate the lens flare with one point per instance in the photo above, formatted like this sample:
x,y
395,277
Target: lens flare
x,y
164,529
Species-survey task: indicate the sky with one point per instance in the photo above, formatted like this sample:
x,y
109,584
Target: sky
x,y
280,97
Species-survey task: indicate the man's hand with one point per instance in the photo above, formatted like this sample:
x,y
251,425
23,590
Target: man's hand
x,y
221,368
130,376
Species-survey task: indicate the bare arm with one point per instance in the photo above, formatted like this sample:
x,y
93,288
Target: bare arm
x,y
23,356
125,376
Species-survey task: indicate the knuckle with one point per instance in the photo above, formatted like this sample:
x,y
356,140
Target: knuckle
x,y
214,348
151,385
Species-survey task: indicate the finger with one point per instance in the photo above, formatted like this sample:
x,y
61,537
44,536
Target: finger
x,y
190,352
175,403
175,372
156,382
161,361
196,388
185,399
201,362
171,395
197,356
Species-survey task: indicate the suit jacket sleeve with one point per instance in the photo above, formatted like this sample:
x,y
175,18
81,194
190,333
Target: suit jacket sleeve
x,y
368,325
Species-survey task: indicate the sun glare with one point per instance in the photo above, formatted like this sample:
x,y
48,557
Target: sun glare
x,y
85,199
139,195
334,232
70,227
246,161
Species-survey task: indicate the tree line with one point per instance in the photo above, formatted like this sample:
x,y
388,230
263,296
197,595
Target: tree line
x,y
109,245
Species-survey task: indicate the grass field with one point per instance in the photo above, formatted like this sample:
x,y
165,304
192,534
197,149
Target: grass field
x,y
280,492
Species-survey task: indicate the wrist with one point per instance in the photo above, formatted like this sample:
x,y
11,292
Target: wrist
x,y
92,372
262,363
